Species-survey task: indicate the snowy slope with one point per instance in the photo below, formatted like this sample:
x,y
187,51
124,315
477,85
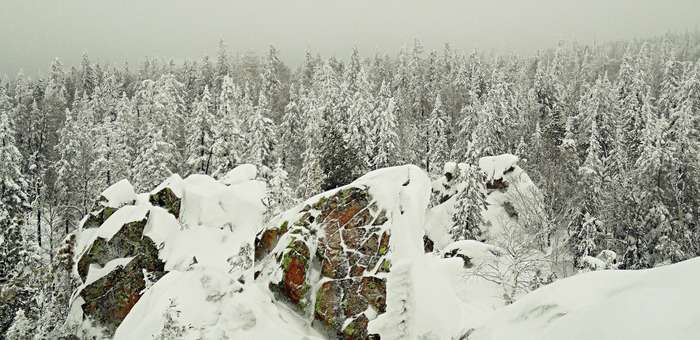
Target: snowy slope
x,y
660,303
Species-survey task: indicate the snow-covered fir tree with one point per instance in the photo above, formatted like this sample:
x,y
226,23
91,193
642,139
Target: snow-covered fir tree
x,y
261,134
436,144
200,135
469,205
228,140
153,161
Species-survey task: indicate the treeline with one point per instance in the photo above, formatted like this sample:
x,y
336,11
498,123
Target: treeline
x,y
610,133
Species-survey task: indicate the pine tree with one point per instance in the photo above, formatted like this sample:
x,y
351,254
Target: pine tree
x,y
128,135
361,117
271,86
88,76
76,150
169,112
650,177
587,227
22,327
291,129
223,66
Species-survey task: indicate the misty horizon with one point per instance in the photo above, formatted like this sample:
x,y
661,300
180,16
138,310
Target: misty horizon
x,y
33,34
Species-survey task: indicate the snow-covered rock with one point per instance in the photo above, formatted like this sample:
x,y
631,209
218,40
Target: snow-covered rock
x,y
351,262
495,167
330,257
116,196
195,224
193,259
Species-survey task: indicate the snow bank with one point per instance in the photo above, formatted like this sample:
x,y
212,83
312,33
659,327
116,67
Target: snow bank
x,y
652,304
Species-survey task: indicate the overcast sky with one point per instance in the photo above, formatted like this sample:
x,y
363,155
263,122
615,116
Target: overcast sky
x,y
33,32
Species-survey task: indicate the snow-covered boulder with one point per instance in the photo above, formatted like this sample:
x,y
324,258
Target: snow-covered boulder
x,y
114,267
351,262
330,256
195,224
496,168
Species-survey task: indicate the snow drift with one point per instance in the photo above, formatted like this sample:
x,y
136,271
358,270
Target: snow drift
x,y
652,304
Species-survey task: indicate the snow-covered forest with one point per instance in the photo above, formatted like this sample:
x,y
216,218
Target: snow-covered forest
x,y
609,134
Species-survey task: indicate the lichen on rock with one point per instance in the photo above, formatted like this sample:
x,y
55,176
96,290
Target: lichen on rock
x,y
108,299
345,234
167,199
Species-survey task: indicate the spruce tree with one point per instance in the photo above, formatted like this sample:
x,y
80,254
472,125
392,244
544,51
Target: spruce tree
x,y
384,141
200,136
280,195
469,205
436,144
260,134
311,177
13,206
229,141
153,162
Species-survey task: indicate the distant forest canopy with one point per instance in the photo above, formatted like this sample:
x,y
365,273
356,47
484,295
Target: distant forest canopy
x,y
610,133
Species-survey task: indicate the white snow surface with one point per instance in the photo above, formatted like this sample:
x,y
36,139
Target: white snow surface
x,y
96,272
242,173
495,166
213,306
659,303
119,194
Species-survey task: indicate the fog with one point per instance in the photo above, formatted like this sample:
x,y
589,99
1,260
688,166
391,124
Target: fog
x,y
34,32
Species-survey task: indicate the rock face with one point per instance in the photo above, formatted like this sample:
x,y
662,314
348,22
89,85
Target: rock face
x,y
109,298
330,260
168,195
118,259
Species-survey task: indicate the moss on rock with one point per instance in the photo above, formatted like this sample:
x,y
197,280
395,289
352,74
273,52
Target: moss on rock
x,y
167,199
